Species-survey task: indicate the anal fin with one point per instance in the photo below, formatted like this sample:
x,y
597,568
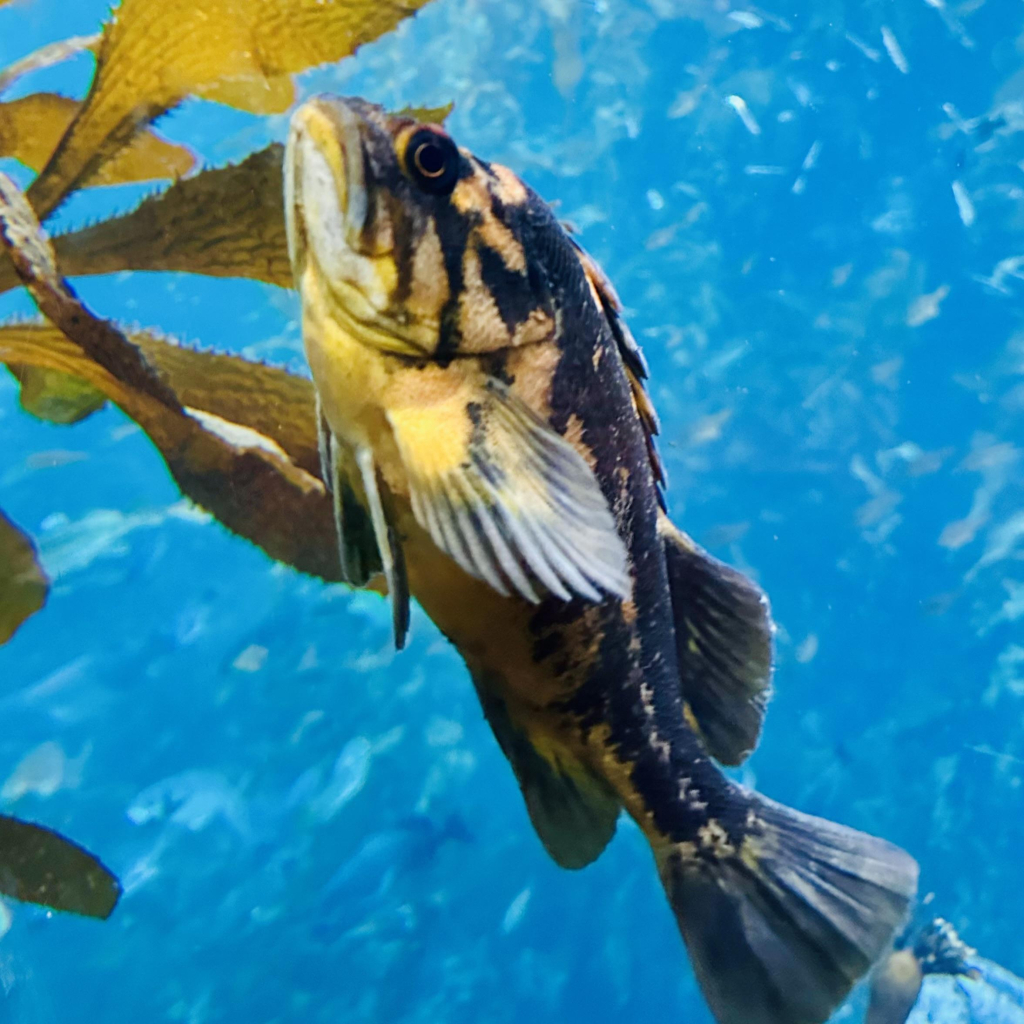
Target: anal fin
x,y
573,812
723,645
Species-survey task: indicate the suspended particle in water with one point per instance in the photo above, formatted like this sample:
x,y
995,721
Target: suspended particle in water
x,y
746,19
739,104
963,204
926,307
892,47
807,649
251,659
516,910
351,770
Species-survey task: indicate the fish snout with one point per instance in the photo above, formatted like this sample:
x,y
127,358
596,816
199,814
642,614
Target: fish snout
x,y
324,184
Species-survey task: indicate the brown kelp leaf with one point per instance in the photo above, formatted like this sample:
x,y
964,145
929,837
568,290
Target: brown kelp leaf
x,y
38,865
156,52
56,397
224,222
47,56
274,403
244,479
31,127
23,584
33,259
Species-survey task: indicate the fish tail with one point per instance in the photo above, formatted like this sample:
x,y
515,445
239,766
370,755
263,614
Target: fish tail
x,y
781,925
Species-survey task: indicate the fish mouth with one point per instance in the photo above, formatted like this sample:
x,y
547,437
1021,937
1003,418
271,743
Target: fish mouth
x,y
325,183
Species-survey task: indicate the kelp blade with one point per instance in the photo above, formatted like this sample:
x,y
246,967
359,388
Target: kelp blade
x,y
223,222
246,481
23,584
155,53
38,865
32,126
256,493
265,399
273,94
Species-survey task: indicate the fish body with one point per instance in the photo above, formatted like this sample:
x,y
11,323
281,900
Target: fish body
x,y
490,447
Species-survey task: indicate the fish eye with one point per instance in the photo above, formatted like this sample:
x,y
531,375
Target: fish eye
x,y
432,160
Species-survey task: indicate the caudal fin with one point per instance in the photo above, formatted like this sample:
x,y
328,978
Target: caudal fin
x,y
780,928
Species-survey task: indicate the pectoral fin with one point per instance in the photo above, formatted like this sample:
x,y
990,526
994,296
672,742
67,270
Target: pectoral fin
x,y
388,544
507,497
723,645
357,543
573,813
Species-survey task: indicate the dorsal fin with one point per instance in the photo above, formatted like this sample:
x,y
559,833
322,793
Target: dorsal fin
x,y
636,366
723,644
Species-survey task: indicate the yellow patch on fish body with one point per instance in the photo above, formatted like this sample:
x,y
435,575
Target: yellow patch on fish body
x,y
574,433
510,190
427,408
538,326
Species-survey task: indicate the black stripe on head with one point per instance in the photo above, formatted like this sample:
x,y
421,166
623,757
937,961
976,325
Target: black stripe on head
x,y
407,235
510,289
453,230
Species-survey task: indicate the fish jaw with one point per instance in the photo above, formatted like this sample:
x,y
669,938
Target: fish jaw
x,y
349,377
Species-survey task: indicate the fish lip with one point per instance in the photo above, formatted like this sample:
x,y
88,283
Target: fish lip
x,y
328,130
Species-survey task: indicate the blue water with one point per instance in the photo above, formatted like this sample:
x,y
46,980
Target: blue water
x,y
837,355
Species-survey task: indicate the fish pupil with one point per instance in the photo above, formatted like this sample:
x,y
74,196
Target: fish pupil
x,y
432,161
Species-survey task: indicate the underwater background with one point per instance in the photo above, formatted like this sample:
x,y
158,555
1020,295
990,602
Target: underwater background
x,y
812,212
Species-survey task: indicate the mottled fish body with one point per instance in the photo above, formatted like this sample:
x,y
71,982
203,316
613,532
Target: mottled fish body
x,y
490,447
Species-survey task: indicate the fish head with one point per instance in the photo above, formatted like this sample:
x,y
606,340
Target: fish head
x,y
438,293
416,246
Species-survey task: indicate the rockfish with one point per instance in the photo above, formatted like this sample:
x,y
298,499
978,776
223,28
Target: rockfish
x,y
489,442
